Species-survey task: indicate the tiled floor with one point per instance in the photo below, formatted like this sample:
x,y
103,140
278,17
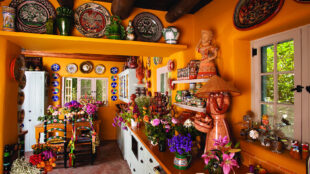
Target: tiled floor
x,y
108,161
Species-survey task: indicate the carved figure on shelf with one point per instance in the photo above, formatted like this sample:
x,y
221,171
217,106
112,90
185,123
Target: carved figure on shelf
x,y
209,53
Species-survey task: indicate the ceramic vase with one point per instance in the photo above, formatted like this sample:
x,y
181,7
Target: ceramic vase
x,y
8,14
181,162
171,35
64,25
178,97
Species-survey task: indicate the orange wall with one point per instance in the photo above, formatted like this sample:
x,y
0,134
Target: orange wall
x,y
234,60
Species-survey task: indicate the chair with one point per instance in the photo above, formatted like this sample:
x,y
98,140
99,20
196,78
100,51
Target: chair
x,y
57,140
83,140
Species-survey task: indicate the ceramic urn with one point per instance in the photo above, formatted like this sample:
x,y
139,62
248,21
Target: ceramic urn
x,y
171,35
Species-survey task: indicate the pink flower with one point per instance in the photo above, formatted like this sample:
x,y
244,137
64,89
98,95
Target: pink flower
x,y
208,156
228,162
174,121
155,122
221,141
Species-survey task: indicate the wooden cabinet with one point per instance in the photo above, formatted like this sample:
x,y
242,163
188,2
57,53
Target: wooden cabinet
x,y
127,84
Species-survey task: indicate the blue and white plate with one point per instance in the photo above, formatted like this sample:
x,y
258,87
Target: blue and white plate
x,y
55,91
55,98
56,76
113,78
114,97
55,67
114,91
114,85
55,83
114,70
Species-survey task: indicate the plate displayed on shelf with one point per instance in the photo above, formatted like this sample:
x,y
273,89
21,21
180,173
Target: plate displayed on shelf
x,y
147,27
55,76
114,91
86,67
72,68
55,83
247,17
55,67
114,97
113,78
31,15
55,90
91,19
99,69
22,82
113,84
20,98
114,70
55,98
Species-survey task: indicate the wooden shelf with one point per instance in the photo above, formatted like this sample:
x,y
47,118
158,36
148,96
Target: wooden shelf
x,y
75,44
192,108
190,81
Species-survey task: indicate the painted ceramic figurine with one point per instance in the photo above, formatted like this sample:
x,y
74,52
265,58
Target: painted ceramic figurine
x,y
305,150
208,52
130,31
294,152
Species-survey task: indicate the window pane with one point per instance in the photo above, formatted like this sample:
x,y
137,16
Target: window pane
x,y
285,84
99,90
74,88
285,120
162,83
267,88
285,56
267,58
85,87
268,110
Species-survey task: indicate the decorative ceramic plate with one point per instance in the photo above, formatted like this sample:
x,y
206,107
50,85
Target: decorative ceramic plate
x,y
20,98
99,69
157,60
21,116
86,67
114,97
55,91
113,78
31,15
55,98
114,70
113,84
55,67
22,82
114,91
55,83
250,14
147,27
170,65
72,68
91,19
55,76
17,68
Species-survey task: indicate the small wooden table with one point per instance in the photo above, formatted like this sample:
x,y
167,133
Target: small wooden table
x,y
40,128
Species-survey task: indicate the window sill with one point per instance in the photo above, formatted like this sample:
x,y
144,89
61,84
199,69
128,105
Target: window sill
x,y
254,153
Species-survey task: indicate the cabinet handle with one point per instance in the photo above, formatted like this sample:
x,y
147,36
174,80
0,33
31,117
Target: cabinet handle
x,y
141,161
151,161
134,170
141,148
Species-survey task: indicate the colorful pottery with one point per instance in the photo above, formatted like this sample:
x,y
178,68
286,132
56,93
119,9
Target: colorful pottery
x,y
55,98
64,20
170,65
140,72
99,69
148,73
20,98
251,14
114,91
91,19
55,83
17,68
171,35
115,30
148,62
55,91
181,162
114,98
86,67
32,15
132,62
55,67
147,27
72,68
22,82
113,78
113,84
178,97
56,76
8,14
157,60
130,31
114,70
21,115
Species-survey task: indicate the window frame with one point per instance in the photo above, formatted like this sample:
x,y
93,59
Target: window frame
x,y
160,71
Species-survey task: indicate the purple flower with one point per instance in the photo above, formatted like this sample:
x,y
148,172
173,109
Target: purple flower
x,y
221,141
180,144
155,122
120,119
113,124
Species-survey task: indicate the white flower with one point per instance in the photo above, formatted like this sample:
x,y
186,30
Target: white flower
x,y
82,112
254,134
188,123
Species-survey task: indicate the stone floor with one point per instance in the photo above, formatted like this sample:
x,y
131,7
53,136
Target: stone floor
x,y
109,161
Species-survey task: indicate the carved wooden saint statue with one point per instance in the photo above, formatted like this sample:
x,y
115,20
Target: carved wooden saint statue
x,y
208,52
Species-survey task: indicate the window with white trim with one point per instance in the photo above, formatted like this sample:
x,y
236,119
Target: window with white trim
x,y
162,79
75,88
279,78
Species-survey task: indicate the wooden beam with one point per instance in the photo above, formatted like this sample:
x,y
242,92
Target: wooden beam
x,y
179,9
101,57
122,8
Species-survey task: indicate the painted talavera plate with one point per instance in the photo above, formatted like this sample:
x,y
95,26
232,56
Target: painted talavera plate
x,y
86,67
55,67
113,84
147,27
100,69
91,19
114,70
31,15
72,68
114,97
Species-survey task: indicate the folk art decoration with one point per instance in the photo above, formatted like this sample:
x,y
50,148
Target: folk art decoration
x,y
130,31
8,14
171,35
250,14
64,20
209,53
140,72
217,92
132,62
115,30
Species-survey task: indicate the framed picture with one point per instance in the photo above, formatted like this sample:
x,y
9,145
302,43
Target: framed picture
x,y
250,14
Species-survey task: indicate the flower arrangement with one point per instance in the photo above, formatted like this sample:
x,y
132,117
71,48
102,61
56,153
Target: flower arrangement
x,y
221,159
143,102
158,129
119,121
44,156
73,108
186,128
180,144
90,109
53,112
